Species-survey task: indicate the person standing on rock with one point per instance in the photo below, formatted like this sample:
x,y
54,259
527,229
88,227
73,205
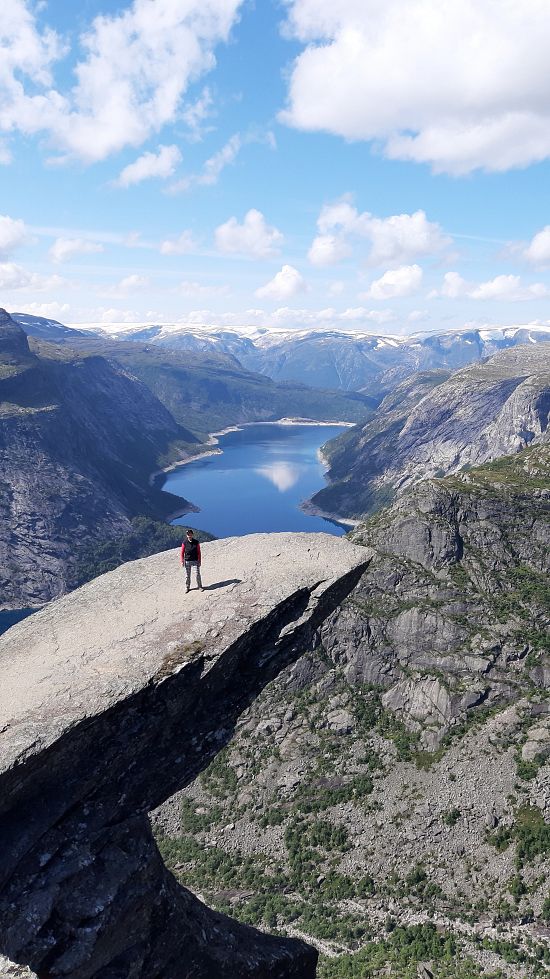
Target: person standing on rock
x,y
191,558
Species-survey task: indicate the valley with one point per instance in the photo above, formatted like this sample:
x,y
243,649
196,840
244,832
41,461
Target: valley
x,y
385,797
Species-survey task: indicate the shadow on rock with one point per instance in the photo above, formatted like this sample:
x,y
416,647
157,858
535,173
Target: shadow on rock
x,y
222,584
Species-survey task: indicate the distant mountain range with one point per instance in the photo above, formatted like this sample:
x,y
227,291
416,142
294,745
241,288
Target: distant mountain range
x,y
351,361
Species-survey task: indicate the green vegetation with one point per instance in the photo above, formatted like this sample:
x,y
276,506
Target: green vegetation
x,y
219,778
192,821
451,817
537,958
528,770
314,797
404,948
529,831
146,537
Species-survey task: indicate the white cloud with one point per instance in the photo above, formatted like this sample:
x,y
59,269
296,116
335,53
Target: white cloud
x,y
395,283
195,114
6,155
459,85
398,238
130,284
453,286
510,288
226,156
189,289
113,315
502,287
51,311
328,250
370,315
287,283
289,317
63,249
538,249
223,158
133,72
417,315
254,237
212,168
283,475
13,276
181,245
160,165
13,233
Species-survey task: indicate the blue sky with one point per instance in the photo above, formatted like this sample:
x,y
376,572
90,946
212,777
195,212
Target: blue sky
x,y
381,167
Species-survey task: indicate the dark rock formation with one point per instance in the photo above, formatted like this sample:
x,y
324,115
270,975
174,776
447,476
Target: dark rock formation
x,y
453,613
113,698
79,437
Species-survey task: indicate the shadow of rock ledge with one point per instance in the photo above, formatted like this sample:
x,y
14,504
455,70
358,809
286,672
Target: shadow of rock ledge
x,y
112,699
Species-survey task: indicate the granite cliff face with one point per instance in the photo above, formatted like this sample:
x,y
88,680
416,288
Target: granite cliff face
x,y
400,771
113,698
436,424
79,437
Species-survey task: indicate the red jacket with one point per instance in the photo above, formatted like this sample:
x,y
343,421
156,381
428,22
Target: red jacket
x,y
193,547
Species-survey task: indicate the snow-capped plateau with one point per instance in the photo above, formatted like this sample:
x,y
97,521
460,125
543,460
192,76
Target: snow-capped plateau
x,y
321,357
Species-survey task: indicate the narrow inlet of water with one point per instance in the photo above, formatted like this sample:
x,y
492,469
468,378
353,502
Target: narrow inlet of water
x,y
258,482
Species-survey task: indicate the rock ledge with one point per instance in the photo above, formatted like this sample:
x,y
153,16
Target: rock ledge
x,y
112,699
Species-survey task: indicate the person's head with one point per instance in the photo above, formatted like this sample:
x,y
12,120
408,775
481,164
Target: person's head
x,y
189,535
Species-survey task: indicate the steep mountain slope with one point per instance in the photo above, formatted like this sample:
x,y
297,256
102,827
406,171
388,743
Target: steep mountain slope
x,y
388,796
207,391
479,413
325,358
79,438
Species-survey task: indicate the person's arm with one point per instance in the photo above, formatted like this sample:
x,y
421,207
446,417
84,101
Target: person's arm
x,y
182,555
199,553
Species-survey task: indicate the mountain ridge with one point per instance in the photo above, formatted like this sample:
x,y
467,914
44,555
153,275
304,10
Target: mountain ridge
x,y
487,409
327,357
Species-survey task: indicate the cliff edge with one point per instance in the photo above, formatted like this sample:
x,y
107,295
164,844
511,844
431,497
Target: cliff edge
x,y
112,699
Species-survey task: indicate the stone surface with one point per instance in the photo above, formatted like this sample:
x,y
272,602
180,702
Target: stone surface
x,y
433,425
113,698
79,438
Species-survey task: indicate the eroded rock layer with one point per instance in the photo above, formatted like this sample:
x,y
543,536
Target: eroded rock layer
x,y
113,698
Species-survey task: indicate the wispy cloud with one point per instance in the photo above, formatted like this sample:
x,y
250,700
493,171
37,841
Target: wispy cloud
x,y
159,165
217,163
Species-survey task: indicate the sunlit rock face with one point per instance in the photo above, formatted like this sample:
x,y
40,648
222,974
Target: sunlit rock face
x,y
115,697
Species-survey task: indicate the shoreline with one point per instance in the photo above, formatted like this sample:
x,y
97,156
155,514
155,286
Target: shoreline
x,y
213,439
314,511
306,506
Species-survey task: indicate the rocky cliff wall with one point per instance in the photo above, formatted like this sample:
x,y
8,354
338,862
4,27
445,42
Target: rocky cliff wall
x,y
484,411
79,437
113,698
